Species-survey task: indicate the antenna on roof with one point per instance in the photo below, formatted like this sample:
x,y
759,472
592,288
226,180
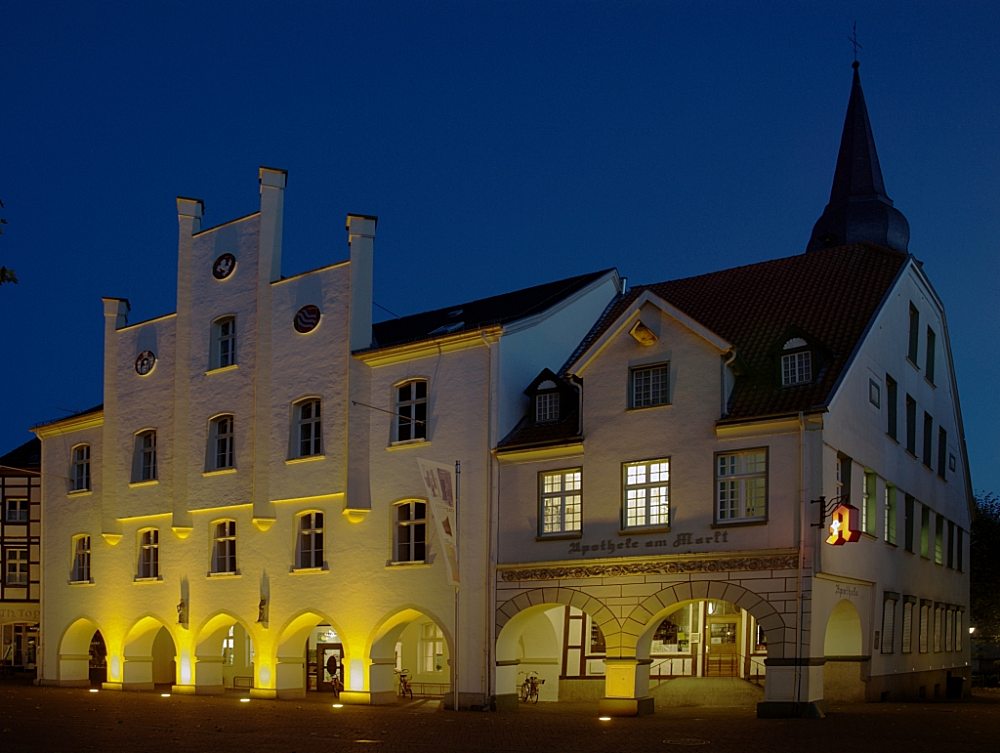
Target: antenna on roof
x,y
855,43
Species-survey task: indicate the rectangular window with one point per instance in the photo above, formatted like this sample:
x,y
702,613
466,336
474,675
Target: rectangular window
x,y
796,368
431,648
646,487
221,453
890,514
959,632
951,545
914,342
869,504
223,343
144,457
949,627
149,554
874,393
938,539
889,623
80,470
938,626
741,486
892,405
307,430
560,501
649,386
911,425
311,540
411,411
923,628
411,531
906,637
81,559
16,511
959,549
928,438
925,531
930,355
16,566
546,407
908,521
942,452
224,547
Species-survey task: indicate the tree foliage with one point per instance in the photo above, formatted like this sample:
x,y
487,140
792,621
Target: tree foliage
x,y
985,567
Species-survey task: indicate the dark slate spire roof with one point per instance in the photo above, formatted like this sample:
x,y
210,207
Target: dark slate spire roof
x,y
859,211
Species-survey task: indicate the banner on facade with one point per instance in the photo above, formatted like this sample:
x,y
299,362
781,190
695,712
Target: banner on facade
x,y
439,482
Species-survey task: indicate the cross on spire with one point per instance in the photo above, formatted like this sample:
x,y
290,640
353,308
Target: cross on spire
x,y
854,41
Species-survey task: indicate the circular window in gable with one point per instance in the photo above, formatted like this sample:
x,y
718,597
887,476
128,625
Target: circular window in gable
x,y
223,266
307,319
145,362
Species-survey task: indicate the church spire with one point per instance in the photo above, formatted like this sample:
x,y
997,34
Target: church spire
x,y
859,209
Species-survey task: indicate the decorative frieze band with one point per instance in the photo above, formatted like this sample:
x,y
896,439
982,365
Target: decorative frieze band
x,y
652,567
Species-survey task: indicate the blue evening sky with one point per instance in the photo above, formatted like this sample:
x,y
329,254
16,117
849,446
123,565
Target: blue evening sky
x,y
502,144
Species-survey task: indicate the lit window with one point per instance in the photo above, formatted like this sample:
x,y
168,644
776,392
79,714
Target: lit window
x,y
16,511
81,559
80,470
149,554
307,428
224,547
561,501
310,549
411,531
649,386
220,451
796,366
223,342
741,486
431,648
16,567
411,411
144,456
546,407
646,493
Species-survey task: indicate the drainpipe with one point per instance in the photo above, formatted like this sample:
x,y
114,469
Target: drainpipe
x,y
799,601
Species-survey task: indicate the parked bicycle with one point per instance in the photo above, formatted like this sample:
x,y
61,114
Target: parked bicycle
x,y
530,687
404,689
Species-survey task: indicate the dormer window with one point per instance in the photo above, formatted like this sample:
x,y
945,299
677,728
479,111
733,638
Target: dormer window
x,y
546,407
796,363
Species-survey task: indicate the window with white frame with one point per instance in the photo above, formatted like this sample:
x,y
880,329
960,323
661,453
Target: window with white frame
x,y
646,498
411,410
16,511
224,547
79,478
223,342
891,504
15,566
889,622
560,501
144,456
924,627
307,428
906,636
796,363
410,534
221,444
431,648
741,485
310,545
938,624
649,385
149,554
868,503
81,559
546,407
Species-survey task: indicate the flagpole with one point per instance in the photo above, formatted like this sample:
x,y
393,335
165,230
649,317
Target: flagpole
x,y
458,560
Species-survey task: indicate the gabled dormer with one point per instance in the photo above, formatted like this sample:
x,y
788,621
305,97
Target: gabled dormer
x,y
553,414
798,359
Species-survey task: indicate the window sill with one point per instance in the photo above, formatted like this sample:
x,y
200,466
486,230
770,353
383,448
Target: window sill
x,y
304,459
219,472
308,570
222,369
223,575
407,565
632,408
149,579
141,484
89,582
73,493
561,536
632,530
738,522
404,444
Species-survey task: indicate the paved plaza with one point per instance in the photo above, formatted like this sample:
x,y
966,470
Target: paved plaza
x,y
34,719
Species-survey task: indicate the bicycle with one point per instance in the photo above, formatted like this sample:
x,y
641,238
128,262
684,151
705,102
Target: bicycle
x,y
530,687
404,689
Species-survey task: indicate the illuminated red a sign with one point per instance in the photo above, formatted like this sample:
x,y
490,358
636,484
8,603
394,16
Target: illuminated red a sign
x,y
844,525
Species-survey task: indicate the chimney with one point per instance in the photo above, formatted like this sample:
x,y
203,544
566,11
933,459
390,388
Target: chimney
x,y
361,239
272,212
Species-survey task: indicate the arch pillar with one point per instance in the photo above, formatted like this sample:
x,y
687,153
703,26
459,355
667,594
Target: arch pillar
x,y
290,677
137,673
382,681
626,687
74,670
208,676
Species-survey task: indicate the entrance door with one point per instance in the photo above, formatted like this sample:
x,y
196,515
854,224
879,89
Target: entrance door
x,y
330,669
722,654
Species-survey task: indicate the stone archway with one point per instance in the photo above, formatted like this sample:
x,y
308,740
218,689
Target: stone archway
x,y
219,665
843,671
408,627
74,653
149,652
290,660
